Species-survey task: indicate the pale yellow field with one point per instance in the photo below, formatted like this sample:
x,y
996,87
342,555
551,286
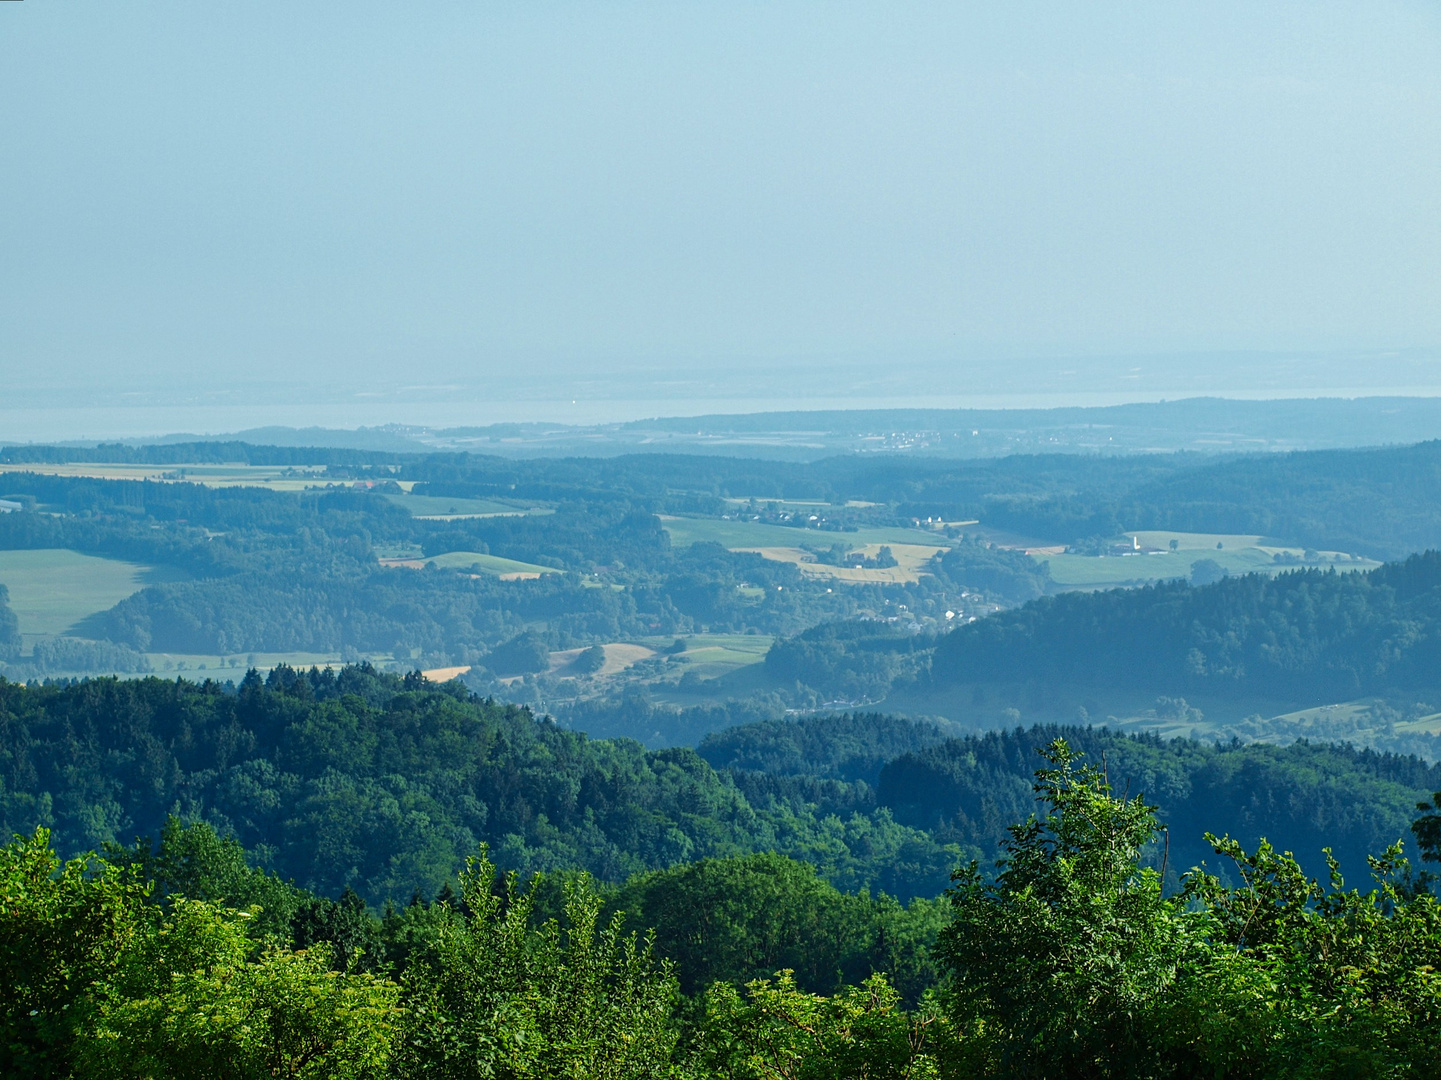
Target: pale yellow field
x,y
445,674
618,657
274,477
911,560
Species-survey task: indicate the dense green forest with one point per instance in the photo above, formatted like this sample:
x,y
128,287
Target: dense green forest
x,y
1327,634
176,957
1374,501
382,784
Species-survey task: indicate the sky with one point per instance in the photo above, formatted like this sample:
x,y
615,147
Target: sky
x,y
472,202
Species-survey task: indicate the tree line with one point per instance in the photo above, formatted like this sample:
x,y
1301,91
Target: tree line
x,y
1069,958
382,784
1309,632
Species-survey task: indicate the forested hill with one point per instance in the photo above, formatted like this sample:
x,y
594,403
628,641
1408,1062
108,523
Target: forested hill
x,y
1377,502
1380,502
354,779
193,453
1302,797
1317,634
967,790
385,785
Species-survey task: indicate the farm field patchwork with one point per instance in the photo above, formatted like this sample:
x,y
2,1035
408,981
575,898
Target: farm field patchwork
x,y
713,655
794,504
911,560
1238,554
753,534
445,507
619,655
509,569
52,589
274,477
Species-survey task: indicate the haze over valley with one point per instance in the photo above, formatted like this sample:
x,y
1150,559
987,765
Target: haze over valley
x,y
712,542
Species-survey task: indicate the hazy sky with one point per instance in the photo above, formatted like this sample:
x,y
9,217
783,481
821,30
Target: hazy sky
x,y
463,191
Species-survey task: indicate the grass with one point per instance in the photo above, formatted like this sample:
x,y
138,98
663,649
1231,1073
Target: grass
x,y
446,507
619,655
911,562
1238,554
273,477
792,504
713,655
53,589
482,564
685,531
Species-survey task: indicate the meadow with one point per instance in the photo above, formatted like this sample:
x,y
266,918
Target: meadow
x,y
273,477
481,564
685,531
446,508
619,655
53,589
1236,553
712,655
911,561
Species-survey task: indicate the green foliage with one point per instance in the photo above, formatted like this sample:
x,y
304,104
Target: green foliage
x,y
739,919
493,996
191,861
1063,957
851,661
1206,572
1072,961
1303,796
78,654
1307,633
1012,577
9,628
776,1030
1427,828
519,656
361,780
60,924
846,555
589,661
844,746
190,998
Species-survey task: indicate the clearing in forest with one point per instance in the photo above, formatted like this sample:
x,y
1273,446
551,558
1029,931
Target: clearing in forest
x,y
732,534
911,560
493,565
618,656
52,589
1151,558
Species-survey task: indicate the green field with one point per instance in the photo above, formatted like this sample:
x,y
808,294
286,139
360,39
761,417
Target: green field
x,y
444,506
685,531
1237,554
488,564
276,478
52,589
713,655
